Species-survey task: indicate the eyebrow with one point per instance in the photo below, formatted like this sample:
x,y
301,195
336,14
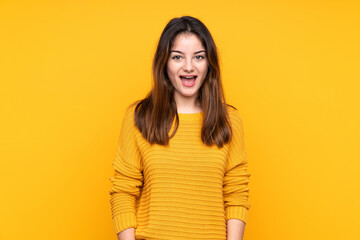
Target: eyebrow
x,y
182,52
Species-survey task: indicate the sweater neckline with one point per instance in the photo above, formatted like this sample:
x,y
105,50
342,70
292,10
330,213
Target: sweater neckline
x,y
190,116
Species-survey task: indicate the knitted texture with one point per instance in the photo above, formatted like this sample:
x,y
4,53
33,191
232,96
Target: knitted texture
x,y
186,190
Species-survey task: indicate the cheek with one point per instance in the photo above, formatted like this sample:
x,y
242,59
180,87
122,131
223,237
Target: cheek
x,y
203,68
204,71
171,74
171,69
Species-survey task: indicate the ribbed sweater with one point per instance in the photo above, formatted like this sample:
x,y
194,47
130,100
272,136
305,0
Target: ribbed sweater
x,y
186,190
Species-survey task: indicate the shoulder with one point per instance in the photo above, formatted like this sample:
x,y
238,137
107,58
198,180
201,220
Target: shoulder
x,y
130,111
128,120
234,115
236,122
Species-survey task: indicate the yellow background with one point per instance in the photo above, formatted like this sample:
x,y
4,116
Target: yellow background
x,y
69,69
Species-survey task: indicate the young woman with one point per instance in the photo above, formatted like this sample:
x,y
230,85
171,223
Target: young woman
x,y
181,165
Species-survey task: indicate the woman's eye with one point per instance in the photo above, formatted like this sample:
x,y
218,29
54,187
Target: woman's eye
x,y
198,57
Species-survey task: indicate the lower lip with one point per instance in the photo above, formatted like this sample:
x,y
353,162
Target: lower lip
x,y
188,83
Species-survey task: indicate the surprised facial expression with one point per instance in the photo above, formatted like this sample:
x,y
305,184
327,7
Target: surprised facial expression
x,y
187,66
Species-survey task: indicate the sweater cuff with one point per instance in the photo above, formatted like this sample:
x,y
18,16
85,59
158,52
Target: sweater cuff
x,y
237,212
124,221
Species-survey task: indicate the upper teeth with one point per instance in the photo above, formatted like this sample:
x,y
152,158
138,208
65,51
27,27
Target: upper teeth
x,y
188,77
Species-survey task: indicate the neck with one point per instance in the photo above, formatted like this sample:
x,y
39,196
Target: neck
x,y
187,105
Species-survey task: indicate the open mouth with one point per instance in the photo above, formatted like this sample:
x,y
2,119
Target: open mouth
x,y
188,80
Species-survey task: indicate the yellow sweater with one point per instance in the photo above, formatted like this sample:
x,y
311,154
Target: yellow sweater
x,y
186,190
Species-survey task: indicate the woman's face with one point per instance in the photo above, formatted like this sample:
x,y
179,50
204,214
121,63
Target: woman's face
x,y
187,66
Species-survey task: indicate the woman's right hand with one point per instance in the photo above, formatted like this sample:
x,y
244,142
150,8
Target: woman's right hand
x,y
127,234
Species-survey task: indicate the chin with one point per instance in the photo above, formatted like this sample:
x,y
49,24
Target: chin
x,y
188,93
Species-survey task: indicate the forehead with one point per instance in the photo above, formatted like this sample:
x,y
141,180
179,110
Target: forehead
x,y
186,41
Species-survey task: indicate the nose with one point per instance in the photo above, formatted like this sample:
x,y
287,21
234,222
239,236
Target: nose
x,y
188,65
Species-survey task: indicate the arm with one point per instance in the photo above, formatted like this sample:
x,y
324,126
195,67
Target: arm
x,y
127,180
236,180
127,234
235,229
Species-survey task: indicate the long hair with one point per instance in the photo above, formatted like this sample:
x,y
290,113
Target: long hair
x,y
154,115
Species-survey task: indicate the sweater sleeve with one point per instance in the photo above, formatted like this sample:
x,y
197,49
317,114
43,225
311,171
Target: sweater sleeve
x,y
128,178
236,179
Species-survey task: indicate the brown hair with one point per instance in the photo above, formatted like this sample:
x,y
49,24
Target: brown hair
x,y
154,115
